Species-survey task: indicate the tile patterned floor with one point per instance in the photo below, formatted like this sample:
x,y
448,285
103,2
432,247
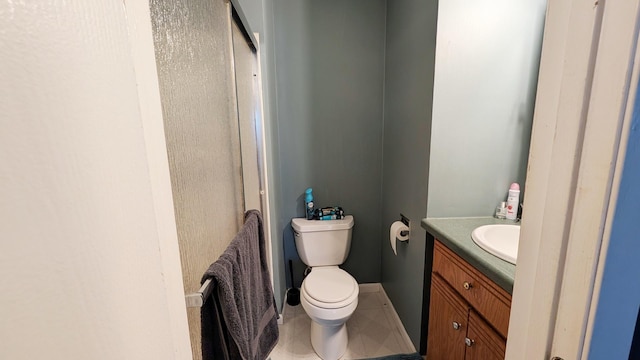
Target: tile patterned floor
x,y
372,332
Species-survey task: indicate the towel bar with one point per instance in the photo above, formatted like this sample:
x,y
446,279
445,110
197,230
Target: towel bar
x,y
197,299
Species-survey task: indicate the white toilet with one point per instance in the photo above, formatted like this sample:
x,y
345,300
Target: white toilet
x,y
329,295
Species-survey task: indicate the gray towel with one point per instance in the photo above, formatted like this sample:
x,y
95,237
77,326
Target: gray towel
x,y
239,318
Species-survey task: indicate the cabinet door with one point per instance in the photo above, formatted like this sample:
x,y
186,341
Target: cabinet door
x,y
483,342
448,315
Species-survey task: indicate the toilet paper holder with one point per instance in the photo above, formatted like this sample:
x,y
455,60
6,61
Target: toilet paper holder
x,y
405,220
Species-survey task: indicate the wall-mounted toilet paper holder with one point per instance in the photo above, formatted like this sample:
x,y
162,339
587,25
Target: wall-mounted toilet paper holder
x,y
405,220
399,232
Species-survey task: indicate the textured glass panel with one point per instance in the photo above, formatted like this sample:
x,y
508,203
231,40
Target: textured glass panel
x,y
193,53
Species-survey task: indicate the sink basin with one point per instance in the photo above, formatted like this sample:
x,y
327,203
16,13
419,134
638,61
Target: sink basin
x,y
500,240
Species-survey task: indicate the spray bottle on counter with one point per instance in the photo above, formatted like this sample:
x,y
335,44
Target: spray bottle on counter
x,y
513,201
308,203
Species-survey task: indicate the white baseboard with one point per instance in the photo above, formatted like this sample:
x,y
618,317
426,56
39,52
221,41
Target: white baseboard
x,y
369,287
396,318
284,307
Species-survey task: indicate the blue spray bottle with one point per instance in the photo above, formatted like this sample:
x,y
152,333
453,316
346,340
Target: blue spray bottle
x,y
308,203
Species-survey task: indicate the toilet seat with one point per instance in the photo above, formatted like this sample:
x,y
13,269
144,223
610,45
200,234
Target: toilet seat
x,y
329,288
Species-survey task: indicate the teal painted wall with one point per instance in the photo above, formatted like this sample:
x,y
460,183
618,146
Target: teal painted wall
x,y
487,60
329,74
410,56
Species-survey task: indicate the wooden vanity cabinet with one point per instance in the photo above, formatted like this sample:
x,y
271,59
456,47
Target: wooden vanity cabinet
x,y
468,313
448,322
485,342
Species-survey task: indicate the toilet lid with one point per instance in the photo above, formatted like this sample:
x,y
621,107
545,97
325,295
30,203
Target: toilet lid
x,y
329,285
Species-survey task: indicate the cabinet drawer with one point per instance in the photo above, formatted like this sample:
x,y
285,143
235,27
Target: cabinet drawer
x,y
491,301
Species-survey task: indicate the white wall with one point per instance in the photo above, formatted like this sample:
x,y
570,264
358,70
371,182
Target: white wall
x,y
80,250
487,57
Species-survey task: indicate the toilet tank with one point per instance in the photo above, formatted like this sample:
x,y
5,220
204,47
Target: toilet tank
x,y
323,242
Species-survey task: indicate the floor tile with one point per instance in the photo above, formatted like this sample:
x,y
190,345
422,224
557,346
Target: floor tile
x,y
405,344
377,333
371,300
355,348
372,332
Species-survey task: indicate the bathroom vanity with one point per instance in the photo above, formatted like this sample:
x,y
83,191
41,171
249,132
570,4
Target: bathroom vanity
x,y
470,296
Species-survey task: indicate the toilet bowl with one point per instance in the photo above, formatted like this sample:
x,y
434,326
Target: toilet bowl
x,y
329,296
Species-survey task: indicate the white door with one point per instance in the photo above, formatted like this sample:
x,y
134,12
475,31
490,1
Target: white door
x,y
582,108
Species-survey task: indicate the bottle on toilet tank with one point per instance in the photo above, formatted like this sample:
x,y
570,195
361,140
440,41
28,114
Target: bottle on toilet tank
x,y
513,201
308,203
